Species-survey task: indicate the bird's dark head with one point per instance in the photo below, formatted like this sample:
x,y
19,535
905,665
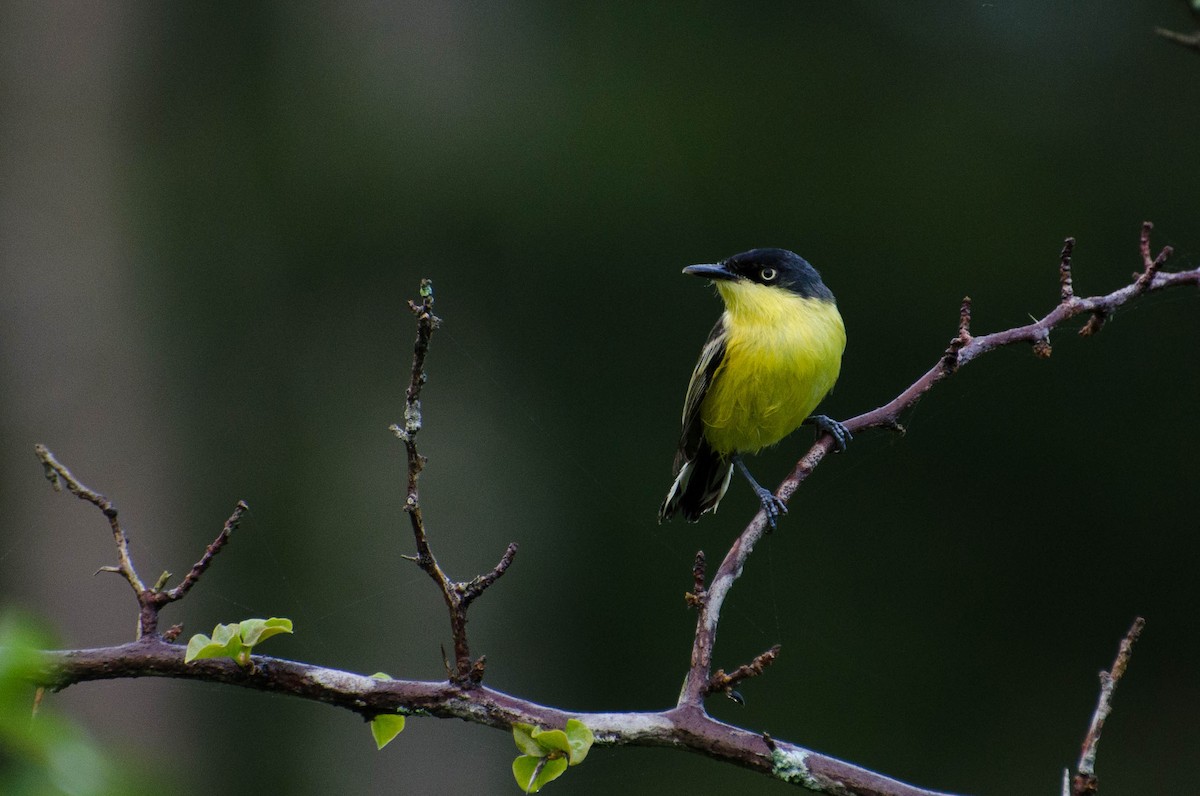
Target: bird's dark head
x,y
778,268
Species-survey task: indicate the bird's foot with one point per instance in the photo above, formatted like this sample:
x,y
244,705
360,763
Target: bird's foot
x,y
841,435
772,506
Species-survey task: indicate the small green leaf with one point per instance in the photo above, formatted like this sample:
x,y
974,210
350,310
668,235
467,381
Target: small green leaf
x,y
553,741
580,737
223,634
381,676
523,735
532,773
195,644
385,727
235,640
254,631
201,646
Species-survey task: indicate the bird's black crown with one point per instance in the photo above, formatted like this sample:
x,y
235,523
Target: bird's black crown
x,y
779,268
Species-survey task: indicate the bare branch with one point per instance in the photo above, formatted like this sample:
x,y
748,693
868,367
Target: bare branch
x,y
679,728
57,474
200,566
457,596
1189,40
724,683
1066,289
479,583
151,600
1085,782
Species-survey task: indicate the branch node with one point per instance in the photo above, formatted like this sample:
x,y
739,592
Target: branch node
x,y
1094,324
950,358
475,677
1150,266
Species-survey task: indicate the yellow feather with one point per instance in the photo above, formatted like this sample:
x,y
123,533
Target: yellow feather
x,y
783,353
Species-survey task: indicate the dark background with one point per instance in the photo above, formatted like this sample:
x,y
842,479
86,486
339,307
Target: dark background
x,y
212,216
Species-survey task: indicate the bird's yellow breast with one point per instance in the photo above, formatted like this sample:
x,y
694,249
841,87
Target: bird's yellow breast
x,y
783,353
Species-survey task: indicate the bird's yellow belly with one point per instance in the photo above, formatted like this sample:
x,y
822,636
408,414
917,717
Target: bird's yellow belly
x,y
774,373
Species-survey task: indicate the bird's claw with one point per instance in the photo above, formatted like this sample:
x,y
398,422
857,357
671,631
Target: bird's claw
x,y
841,435
772,506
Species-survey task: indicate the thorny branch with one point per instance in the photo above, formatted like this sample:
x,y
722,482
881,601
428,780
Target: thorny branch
x,y
457,596
685,726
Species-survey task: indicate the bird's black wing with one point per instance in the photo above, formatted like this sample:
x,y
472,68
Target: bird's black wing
x,y
711,357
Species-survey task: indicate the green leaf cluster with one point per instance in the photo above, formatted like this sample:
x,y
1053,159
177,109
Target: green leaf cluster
x,y
235,640
547,753
386,726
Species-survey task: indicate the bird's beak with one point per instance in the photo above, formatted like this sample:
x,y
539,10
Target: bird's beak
x,y
714,272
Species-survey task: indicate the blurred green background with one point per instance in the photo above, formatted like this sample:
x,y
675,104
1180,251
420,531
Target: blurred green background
x,y
211,216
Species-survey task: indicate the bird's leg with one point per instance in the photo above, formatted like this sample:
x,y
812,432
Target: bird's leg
x,y
841,435
772,506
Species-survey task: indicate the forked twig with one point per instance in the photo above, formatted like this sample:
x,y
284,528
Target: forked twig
x,y
150,600
458,596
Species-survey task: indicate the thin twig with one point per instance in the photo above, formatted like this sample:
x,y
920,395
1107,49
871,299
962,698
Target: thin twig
x,y
457,596
724,683
1066,288
1150,265
1189,40
479,583
151,600
200,566
695,598
57,474
1085,782
888,416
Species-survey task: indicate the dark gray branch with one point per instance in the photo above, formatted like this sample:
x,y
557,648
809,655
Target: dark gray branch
x,y
685,728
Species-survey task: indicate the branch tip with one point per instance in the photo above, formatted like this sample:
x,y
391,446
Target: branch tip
x,y
964,318
1066,289
1085,781
725,683
695,598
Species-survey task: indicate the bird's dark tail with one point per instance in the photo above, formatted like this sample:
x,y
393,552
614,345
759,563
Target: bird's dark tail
x,y
699,485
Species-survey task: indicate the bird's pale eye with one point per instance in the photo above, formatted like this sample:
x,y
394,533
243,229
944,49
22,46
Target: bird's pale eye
x,y
768,274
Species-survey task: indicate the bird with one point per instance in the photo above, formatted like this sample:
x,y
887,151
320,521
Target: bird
x,y
773,356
